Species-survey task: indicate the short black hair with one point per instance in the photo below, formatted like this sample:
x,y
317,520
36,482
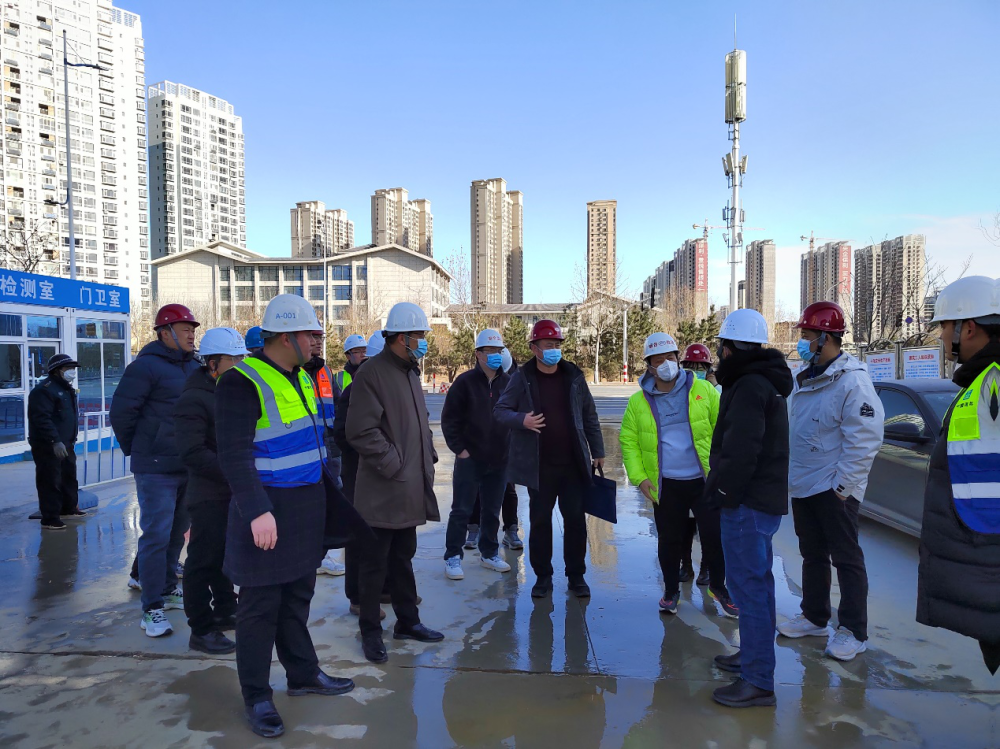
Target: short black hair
x,y
992,330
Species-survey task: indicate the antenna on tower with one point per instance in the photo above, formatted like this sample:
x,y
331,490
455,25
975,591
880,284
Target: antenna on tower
x,y
734,31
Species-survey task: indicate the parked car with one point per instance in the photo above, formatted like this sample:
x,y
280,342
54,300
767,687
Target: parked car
x,y
914,410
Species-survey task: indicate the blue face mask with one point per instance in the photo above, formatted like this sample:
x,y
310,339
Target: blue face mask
x,y
551,357
805,354
700,374
494,361
421,349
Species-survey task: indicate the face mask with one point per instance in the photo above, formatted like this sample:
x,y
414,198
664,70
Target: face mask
x,y
494,361
421,351
700,374
551,357
667,371
805,353
70,376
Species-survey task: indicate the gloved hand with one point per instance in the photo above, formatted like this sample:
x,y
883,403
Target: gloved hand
x,y
60,450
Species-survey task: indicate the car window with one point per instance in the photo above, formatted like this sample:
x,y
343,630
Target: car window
x,y
940,403
899,408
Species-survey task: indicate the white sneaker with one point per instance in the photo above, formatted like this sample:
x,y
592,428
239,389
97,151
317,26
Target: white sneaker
x,y
453,568
174,599
155,623
134,584
844,646
802,627
332,567
496,564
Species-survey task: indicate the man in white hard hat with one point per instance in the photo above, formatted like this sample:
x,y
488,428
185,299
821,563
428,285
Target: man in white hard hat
x,y
209,599
271,450
958,583
749,482
388,426
480,446
355,353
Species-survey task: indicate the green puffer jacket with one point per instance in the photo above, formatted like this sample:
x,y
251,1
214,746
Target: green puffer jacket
x,y
640,433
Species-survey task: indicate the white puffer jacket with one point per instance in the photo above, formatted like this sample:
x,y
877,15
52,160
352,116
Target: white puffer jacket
x,y
835,429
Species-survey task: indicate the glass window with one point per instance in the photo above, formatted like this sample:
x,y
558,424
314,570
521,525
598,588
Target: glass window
x,y
268,292
293,290
38,357
244,273
88,377
292,273
224,275
11,418
361,273
114,368
316,292
244,293
940,403
268,273
899,408
113,330
10,366
225,295
43,327
315,272
11,325
340,272
88,329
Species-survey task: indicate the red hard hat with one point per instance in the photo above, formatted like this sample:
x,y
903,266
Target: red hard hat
x,y
546,329
697,352
171,313
827,317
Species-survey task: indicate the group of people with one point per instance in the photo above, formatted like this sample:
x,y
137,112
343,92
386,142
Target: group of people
x,y
270,459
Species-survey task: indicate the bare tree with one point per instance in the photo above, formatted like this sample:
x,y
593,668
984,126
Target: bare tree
x,y
598,312
23,246
992,233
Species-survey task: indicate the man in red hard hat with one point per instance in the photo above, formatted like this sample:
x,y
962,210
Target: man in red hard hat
x,y
555,442
835,427
698,359
142,416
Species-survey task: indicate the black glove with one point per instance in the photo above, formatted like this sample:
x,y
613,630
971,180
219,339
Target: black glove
x,y
60,450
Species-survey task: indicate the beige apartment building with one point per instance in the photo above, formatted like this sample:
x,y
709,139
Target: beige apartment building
x,y
318,232
601,238
497,243
681,285
890,289
759,285
825,275
398,220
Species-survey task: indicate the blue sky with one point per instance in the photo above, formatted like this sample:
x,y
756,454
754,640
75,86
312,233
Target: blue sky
x,y
865,120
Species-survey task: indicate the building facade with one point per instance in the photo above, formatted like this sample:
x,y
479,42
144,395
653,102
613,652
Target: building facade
x,y
515,261
602,218
681,285
197,169
496,244
825,275
398,220
318,232
760,270
890,295
107,114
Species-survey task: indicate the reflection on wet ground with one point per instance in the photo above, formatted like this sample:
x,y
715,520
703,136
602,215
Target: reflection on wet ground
x,y
75,669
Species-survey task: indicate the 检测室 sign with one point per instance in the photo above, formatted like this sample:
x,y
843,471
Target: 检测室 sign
x,y
51,291
922,363
881,365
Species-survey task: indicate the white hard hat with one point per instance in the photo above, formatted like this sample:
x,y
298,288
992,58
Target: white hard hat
x,y
375,344
969,298
506,360
746,325
489,337
290,313
222,341
354,341
406,317
658,343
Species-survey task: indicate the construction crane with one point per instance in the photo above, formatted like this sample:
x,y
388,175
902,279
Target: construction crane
x,y
812,240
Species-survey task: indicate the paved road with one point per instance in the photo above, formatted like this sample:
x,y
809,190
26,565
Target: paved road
x,y
609,408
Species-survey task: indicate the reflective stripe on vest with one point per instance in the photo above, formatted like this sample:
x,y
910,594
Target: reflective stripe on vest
x,y
974,452
327,399
287,445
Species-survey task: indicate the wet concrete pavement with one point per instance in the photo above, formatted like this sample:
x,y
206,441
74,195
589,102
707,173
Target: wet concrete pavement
x,y
76,670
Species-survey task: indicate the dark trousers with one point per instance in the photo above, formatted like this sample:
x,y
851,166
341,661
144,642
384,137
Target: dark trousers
x,y
273,617
475,483
56,482
208,593
562,484
688,547
827,528
509,509
676,499
391,555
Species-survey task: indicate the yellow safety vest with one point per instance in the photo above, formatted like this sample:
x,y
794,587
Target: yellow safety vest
x,y
974,452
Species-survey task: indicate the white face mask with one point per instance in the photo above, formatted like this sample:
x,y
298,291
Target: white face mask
x,y
668,370
70,376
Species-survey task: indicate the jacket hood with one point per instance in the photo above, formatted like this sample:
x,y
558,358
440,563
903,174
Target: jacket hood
x,y
648,382
843,363
970,370
200,379
768,362
157,348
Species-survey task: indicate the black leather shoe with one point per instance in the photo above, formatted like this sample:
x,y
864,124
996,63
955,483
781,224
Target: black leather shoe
x,y
322,684
542,586
214,643
729,663
374,648
419,632
578,587
703,578
264,720
741,693
686,574
225,623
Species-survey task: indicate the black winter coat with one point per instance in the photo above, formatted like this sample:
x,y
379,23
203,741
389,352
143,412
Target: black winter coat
x,y
52,413
194,421
142,411
467,421
749,458
520,398
958,582
349,456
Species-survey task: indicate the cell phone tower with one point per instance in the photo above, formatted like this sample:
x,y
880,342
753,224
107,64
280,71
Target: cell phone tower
x,y
736,112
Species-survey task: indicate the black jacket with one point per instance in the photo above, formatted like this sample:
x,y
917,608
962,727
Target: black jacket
x,y
142,411
519,399
194,422
749,459
467,421
52,412
349,456
958,583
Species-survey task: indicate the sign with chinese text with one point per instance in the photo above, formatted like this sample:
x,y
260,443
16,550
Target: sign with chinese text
x,y
881,365
922,363
29,288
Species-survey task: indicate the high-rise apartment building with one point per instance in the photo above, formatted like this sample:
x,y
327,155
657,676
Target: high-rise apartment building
x,y
107,114
825,275
318,232
602,216
398,220
890,297
681,285
196,161
760,281
497,243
